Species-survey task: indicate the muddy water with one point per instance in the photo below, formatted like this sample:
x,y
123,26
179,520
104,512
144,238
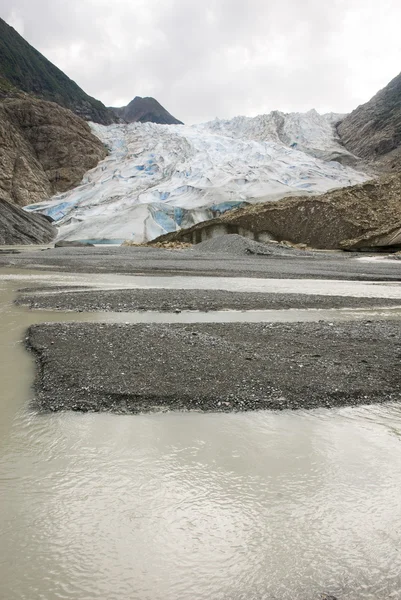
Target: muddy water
x,y
192,506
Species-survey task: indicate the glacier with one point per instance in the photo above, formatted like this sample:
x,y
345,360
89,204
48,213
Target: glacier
x,y
159,178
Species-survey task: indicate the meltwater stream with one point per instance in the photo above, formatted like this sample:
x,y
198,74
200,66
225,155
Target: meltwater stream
x,y
181,506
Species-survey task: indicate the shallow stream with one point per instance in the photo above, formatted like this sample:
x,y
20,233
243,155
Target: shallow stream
x,y
185,506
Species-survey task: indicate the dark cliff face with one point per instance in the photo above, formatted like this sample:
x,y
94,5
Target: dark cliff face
x,y
25,69
20,227
144,110
373,130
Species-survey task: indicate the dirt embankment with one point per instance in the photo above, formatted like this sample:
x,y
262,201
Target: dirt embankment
x,y
365,215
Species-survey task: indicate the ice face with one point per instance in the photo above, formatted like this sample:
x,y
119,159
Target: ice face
x,y
160,178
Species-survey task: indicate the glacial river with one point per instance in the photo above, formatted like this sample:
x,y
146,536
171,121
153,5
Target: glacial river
x,y
187,506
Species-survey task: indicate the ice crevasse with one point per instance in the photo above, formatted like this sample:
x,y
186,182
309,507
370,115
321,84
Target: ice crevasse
x,y
159,178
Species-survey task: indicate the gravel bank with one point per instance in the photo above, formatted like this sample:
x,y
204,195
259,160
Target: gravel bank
x,y
219,367
238,245
158,261
166,300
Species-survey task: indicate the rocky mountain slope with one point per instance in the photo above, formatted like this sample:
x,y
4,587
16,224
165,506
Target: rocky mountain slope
x,y
44,149
26,69
157,179
145,110
367,215
20,227
373,130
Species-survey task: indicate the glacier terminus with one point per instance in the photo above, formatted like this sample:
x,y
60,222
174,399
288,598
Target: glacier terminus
x,y
160,178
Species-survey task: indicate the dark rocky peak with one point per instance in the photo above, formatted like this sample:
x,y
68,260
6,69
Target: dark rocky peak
x,y
145,110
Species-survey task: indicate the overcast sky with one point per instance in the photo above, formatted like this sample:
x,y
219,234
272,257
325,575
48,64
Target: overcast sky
x,y
208,58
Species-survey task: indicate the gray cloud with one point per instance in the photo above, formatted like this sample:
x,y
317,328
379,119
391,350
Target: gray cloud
x,y
220,57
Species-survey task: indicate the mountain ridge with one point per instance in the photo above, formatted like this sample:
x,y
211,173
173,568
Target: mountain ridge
x,y
373,130
26,69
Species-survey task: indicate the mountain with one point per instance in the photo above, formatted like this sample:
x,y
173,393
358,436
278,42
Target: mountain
x,y
24,68
19,227
364,216
373,130
145,110
44,149
157,179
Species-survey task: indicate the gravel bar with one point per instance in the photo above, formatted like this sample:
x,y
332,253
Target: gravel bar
x,y
217,367
166,300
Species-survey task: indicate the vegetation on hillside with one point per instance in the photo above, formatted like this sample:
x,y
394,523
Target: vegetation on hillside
x,y
23,67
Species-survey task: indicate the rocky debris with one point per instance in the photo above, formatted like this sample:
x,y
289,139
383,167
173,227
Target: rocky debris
x,y
215,367
238,245
166,245
145,110
44,149
365,216
20,227
171,245
72,244
373,130
25,69
165,300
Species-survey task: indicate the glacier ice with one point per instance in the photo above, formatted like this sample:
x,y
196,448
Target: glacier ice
x,y
159,178
309,132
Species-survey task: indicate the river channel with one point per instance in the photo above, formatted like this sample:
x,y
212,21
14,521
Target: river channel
x,y
188,506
